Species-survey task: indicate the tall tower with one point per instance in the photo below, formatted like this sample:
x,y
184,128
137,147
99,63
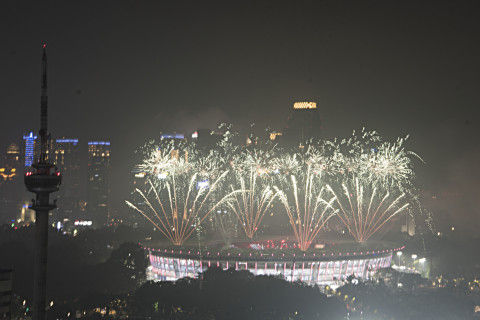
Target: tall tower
x,y
303,125
42,179
98,184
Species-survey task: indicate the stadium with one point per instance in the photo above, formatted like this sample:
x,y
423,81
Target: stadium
x,y
325,265
361,183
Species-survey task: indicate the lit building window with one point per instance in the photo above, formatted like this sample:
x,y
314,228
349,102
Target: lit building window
x,y
305,105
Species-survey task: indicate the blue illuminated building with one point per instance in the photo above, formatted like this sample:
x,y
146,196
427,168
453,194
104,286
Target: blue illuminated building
x,y
74,141
98,143
29,148
172,136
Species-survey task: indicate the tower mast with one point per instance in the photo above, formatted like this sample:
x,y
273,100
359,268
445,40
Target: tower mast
x,y
43,110
42,179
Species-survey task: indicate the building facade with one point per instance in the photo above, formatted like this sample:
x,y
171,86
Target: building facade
x,y
98,182
304,124
65,155
29,142
11,184
321,269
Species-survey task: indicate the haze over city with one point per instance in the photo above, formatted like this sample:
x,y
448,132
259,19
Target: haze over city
x,y
126,72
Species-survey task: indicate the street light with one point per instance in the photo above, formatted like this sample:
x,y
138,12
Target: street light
x,y
399,254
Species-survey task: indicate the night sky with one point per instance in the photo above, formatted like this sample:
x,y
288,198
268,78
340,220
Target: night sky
x,y
125,70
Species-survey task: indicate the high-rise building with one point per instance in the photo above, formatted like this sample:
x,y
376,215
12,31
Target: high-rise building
x,y
98,184
304,124
139,178
29,151
11,190
12,157
66,156
11,165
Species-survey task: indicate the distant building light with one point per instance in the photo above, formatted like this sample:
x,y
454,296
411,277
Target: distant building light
x,y
195,135
82,223
305,105
172,136
273,135
74,141
202,184
100,143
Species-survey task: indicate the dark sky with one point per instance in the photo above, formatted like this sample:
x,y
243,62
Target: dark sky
x,y
126,70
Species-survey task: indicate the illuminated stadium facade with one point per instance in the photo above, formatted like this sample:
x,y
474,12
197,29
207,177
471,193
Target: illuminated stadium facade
x,y
326,268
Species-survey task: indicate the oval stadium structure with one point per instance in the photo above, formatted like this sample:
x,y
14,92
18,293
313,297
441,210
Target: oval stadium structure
x,y
315,267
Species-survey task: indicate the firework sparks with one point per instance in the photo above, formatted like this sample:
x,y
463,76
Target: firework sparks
x,y
309,216
165,159
364,208
258,160
251,202
364,181
179,206
285,165
390,165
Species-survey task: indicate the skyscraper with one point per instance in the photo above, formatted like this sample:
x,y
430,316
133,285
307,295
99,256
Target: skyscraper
x,y
12,158
304,124
66,156
10,184
98,184
10,167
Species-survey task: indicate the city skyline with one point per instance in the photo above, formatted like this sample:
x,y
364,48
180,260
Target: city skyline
x,y
362,69
246,159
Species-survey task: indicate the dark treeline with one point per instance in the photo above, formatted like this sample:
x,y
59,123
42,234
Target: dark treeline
x,y
102,273
95,263
230,294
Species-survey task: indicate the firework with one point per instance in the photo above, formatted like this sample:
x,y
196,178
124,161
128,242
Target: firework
x,y
285,165
365,181
164,159
325,158
365,208
251,201
259,161
178,204
309,216
372,181
390,165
